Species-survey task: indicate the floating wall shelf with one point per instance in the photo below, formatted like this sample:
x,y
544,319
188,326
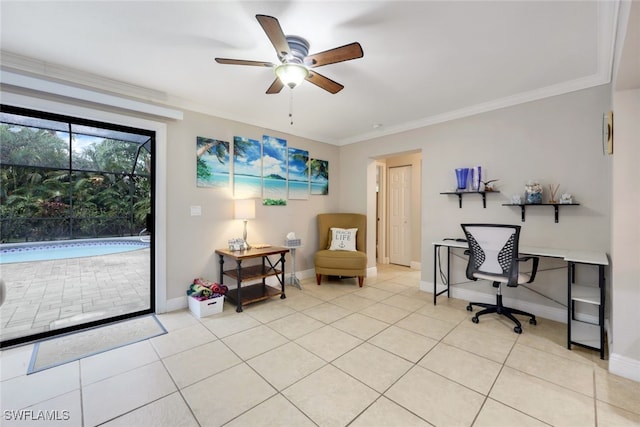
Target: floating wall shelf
x,y
460,193
555,207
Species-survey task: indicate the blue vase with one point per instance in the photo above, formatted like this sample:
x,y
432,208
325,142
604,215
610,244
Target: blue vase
x,y
534,198
475,178
462,175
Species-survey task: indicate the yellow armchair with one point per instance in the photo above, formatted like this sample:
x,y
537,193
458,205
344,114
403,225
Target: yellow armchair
x,y
341,262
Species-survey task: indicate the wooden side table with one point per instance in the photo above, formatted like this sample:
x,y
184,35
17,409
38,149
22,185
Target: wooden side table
x,y
259,291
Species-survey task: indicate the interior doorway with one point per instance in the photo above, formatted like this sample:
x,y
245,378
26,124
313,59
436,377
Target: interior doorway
x,y
398,209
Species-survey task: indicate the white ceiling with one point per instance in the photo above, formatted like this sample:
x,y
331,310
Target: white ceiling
x,y
424,61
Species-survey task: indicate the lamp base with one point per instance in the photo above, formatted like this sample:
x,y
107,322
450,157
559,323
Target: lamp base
x,y
244,236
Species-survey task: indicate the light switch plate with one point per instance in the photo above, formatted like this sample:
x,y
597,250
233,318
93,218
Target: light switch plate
x,y
196,210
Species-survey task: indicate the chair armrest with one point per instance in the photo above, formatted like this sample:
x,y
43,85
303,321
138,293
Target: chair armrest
x,y
534,268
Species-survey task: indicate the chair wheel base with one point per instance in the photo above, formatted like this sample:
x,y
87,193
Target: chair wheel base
x,y
469,308
475,319
533,321
517,330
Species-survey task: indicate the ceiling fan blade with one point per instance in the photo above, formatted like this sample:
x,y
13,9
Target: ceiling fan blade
x,y
244,62
324,82
272,28
331,56
275,87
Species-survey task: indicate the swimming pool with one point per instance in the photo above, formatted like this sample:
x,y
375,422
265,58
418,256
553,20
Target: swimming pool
x,y
43,251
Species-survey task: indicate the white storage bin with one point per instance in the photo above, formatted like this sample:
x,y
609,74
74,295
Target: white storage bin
x,y
206,307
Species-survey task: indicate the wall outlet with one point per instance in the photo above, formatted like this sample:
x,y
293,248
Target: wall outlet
x,y
196,210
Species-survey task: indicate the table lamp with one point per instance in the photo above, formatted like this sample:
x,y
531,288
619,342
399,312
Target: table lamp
x,y
245,209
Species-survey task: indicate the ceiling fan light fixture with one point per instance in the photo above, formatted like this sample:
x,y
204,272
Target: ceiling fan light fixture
x,y
291,74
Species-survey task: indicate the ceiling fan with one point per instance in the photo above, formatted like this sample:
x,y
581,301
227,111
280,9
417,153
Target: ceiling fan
x,y
296,63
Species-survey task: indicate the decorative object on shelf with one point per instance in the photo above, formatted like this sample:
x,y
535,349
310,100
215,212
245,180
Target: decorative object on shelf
x,y
475,178
533,193
245,209
489,185
566,199
461,176
553,191
516,199
236,244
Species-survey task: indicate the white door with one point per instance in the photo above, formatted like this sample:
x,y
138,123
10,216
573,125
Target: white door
x,y
400,215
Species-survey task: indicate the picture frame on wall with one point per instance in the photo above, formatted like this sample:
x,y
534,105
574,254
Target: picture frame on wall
x,y
274,171
319,172
247,168
212,163
298,174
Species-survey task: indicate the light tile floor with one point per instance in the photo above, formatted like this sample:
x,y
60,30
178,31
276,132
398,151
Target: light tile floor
x,y
333,355
48,295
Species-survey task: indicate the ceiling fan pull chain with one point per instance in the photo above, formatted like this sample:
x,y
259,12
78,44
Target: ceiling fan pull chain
x,y
291,107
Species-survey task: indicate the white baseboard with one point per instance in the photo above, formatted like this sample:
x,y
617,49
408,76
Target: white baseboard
x,y
179,303
415,265
624,366
559,314
305,274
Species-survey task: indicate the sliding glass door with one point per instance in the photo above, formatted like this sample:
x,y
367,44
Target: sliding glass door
x,y
76,215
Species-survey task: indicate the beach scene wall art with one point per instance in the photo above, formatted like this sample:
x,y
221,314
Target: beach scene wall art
x,y
274,171
212,163
319,171
298,174
247,168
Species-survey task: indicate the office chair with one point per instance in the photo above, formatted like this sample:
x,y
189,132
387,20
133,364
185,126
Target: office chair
x,y
493,256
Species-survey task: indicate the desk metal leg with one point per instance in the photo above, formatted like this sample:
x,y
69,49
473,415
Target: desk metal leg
x,y
601,283
570,271
435,272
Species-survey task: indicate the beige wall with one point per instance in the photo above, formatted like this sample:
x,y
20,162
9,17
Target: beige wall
x,y
191,240
556,140
625,281
624,350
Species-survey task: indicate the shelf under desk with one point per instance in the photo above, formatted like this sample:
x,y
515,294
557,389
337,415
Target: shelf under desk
x,y
580,333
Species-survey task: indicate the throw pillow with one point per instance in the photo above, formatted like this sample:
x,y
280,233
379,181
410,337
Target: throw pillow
x,y
343,239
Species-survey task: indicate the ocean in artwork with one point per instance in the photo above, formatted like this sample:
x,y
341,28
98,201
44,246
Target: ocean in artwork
x,y
299,190
218,178
247,168
274,171
212,163
298,173
320,188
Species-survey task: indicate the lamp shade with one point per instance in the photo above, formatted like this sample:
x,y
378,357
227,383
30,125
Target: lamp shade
x,y
291,74
245,209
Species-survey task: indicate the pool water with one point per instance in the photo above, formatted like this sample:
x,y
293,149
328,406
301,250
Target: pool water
x,y
64,250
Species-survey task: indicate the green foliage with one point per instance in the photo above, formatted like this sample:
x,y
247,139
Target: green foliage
x,y
319,168
202,170
274,202
106,193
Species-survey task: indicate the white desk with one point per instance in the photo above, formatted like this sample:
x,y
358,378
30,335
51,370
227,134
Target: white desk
x,y
584,334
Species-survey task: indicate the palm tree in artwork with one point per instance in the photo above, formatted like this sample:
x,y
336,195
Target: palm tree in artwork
x,y
319,168
212,146
217,148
